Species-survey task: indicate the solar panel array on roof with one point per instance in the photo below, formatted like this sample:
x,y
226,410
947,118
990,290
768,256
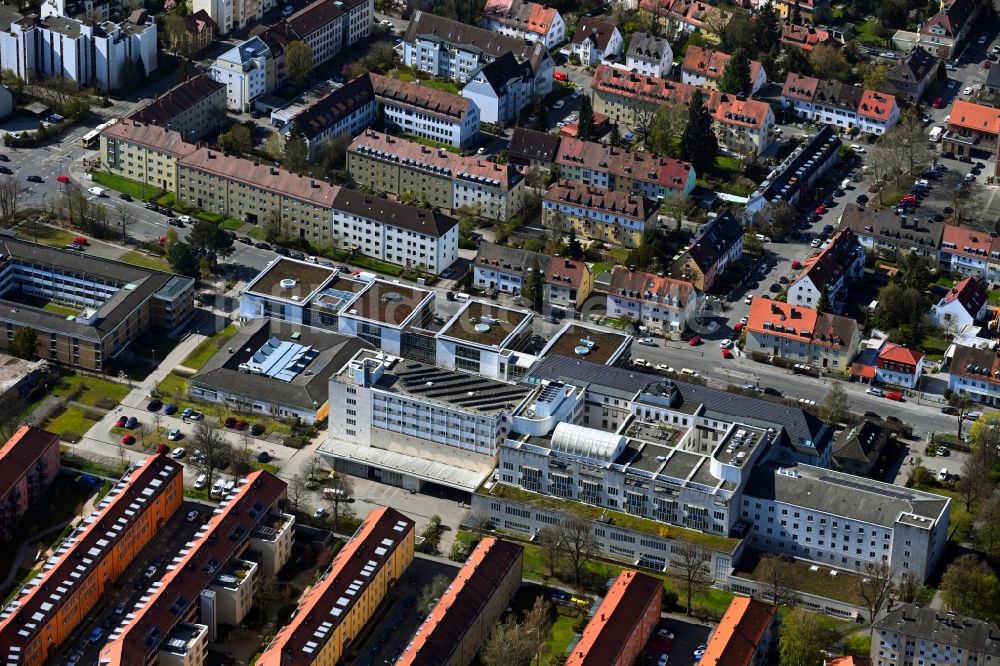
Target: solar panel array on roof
x,y
281,359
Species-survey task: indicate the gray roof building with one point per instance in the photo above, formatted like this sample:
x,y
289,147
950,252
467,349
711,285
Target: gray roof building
x,y
908,629
647,47
858,448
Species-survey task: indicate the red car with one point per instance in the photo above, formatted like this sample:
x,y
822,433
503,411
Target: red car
x,y
161,448
122,420
694,341
230,422
796,265
726,353
938,103
909,198
560,76
894,395
240,425
738,328
128,440
820,209
63,179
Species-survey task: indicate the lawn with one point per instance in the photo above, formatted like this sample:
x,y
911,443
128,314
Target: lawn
x,y
137,258
446,86
598,268
70,424
948,283
207,348
866,33
126,185
46,235
230,224
726,165
961,520
934,347
173,386
89,390
257,234
56,308
560,636
994,297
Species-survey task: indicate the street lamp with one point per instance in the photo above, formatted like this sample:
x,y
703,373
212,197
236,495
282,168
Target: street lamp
x,y
153,352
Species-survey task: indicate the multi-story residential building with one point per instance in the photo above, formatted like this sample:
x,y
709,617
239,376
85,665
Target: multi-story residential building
x,y
845,521
910,77
441,178
244,70
529,21
144,153
567,286
593,163
531,148
898,365
506,268
194,108
360,19
718,243
257,192
805,37
319,24
455,50
859,448
232,15
840,262
971,252
802,334
399,233
199,30
975,372
797,174
747,634
347,595
811,11
944,33
909,634
649,55
839,104
89,561
620,627
176,618
345,112
891,236
117,302
501,89
274,367
29,463
596,40
628,97
973,129
663,305
425,112
460,623
705,66
687,16
964,304
106,56
597,213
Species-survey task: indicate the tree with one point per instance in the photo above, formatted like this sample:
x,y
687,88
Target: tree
x,y
736,75
24,344
183,259
962,404
343,492
12,407
768,28
537,623
274,146
836,407
585,124
698,142
508,645
578,542
777,217
666,125
574,248
901,311
550,541
987,526
296,490
124,218
296,153
969,587
974,481
214,450
534,286
824,301
914,272
615,137
875,584
10,193
210,238
237,140
801,639
795,14
777,573
433,591
873,75
177,37
675,205
828,62
690,564
967,202
299,61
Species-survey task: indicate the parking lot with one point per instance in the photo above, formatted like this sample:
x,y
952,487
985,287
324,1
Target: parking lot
x,y
687,637
125,594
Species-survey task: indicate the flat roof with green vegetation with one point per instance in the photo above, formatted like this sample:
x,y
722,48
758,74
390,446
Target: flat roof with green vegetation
x,y
614,518
805,577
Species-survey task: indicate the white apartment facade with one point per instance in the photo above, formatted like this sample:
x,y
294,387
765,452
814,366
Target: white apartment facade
x,y
320,25
662,305
244,71
649,55
501,89
361,18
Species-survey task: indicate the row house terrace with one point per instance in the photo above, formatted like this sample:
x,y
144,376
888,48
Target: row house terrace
x,y
839,104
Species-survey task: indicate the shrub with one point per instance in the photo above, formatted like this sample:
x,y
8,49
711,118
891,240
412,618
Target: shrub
x,y
669,600
106,403
69,436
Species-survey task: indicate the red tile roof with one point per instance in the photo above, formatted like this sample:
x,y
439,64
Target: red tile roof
x,y
467,597
850,661
979,364
876,105
150,136
666,289
607,202
617,619
966,115
416,96
800,323
566,272
969,293
20,453
526,16
111,520
379,536
215,543
198,22
739,633
711,64
646,167
966,242
180,98
894,353
805,37
799,86
868,103
831,263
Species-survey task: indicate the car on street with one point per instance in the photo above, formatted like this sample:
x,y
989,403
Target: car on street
x,y
128,440
748,299
298,256
170,409
949,410
727,353
967,90
246,240
154,405
240,425
894,395
124,196
151,571
981,40
319,513
942,450
120,609
96,635
726,344
262,246
858,149
820,209
5,170
34,179
874,390
558,104
174,222
694,341
973,416
938,103
648,342
174,435
872,415
815,242
663,660
178,453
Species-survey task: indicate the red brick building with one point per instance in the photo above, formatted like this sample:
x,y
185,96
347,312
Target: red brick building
x,y
29,462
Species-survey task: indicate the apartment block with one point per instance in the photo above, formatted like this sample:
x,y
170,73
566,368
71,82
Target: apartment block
x,y
839,104
232,15
319,24
360,19
661,304
244,69
529,21
257,192
975,372
146,153
440,178
747,634
339,605
345,112
461,621
107,56
909,634
973,130
597,213
971,252
193,108
796,175
944,34
501,89
839,263
567,286
427,112
93,557
719,242
596,40
29,463
891,236
178,615
505,268
802,334
705,67
622,624
117,302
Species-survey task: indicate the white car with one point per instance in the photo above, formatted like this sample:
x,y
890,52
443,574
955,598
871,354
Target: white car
x,y
726,344
749,299
967,90
178,453
996,49
875,391
480,151
744,320
186,219
192,516
815,242
858,149
561,124
943,474
558,104
151,571
319,513
973,416
173,436
648,342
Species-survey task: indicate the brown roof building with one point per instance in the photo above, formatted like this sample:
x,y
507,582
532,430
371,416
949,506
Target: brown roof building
x,y
427,112
29,462
745,636
617,217
193,108
532,148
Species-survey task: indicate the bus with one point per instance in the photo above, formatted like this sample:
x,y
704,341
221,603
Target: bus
x,y
90,139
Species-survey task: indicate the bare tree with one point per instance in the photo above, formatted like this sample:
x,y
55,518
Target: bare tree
x,y
296,491
962,404
10,193
12,408
578,543
967,202
537,623
214,450
987,532
690,564
343,492
909,140
875,584
123,218
508,645
549,540
975,479
432,592
777,573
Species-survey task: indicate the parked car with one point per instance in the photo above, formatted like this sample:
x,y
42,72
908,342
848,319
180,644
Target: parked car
x,y
122,420
257,430
948,409
192,516
648,342
874,390
34,179
263,457
694,341
894,395
128,440
174,435
178,453
96,635
240,424
942,450
131,423
230,421
154,405
170,409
